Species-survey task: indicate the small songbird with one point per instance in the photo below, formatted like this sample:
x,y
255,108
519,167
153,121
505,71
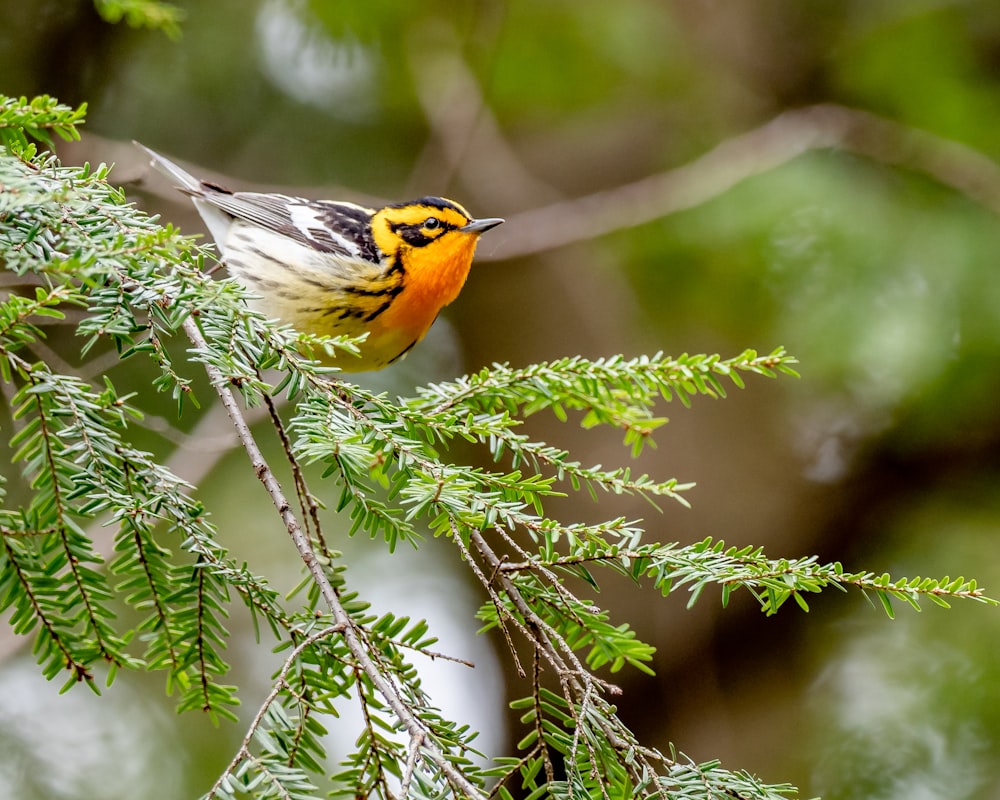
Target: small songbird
x,y
335,268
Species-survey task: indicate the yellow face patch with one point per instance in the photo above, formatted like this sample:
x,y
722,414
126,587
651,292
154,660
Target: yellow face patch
x,y
424,246
415,213
415,225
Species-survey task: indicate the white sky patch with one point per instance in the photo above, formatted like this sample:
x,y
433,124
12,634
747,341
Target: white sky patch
x,y
80,745
875,700
303,62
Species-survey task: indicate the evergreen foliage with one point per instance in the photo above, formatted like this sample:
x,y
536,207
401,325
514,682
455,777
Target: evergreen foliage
x,y
137,288
150,14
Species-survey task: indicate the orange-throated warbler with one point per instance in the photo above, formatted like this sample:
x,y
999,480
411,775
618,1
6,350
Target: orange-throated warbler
x,y
334,268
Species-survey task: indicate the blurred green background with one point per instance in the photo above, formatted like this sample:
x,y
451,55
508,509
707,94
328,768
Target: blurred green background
x,y
861,234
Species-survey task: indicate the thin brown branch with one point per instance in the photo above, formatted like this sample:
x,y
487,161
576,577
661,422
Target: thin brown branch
x,y
765,148
73,564
307,503
266,476
78,668
580,735
514,768
280,684
196,455
28,533
536,694
463,128
557,651
374,756
433,655
412,756
502,613
352,636
541,568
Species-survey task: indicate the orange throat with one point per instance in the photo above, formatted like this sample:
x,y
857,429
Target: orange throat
x,y
434,277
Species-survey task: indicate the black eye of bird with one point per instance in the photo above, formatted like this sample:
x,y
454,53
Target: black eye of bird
x,y
431,223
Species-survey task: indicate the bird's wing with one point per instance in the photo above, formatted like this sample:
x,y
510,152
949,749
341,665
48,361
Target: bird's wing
x,y
324,225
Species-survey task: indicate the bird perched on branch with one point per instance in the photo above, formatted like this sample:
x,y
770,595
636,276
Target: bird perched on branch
x,y
335,268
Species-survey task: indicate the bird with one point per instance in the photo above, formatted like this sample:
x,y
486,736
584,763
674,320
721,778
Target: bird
x,y
331,268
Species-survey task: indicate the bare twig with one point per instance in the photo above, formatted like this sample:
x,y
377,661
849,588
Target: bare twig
x,y
536,694
463,128
433,655
556,650
777,142
502,614
412,757
280,684
307,503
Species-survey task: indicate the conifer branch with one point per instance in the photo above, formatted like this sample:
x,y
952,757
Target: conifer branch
x,y
347,628
138,290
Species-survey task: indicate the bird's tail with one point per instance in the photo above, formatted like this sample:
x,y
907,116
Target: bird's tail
x,y
162,164
217,220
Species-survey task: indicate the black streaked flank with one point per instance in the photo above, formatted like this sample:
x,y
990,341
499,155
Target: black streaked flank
x,y
313,282
266,257
379,310
391,291
263,283
347,313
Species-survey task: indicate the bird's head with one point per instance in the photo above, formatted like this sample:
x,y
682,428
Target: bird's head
x,y
435,224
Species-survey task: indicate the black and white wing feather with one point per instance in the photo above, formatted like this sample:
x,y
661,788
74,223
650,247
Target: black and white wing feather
x,y
326,226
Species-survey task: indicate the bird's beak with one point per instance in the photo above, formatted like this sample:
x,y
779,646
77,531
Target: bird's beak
x,y
481,225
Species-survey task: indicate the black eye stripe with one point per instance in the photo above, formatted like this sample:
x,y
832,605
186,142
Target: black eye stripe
x,y
414,233
431,223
